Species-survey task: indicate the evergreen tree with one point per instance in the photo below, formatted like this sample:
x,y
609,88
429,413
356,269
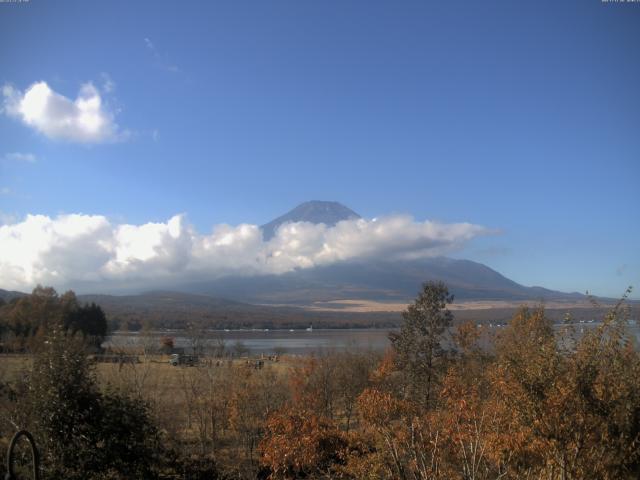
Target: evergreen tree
x,y
90,320
418,345
84,433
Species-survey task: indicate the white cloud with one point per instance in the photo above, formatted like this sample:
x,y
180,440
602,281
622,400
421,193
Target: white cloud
x,y
20,157
83,120
41,249
5,190
68,250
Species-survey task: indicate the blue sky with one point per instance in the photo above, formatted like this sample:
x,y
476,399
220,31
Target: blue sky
x,y
523,117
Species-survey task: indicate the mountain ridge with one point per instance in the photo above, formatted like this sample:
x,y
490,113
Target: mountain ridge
x,y
377,280
313,211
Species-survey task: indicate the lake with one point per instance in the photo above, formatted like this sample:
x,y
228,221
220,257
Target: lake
x,y
297,342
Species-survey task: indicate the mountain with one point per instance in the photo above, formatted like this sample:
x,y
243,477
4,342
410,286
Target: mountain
x,y
8,295
369,279
315,211
378,280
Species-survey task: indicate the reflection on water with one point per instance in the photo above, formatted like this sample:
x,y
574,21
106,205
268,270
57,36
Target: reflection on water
x,y
290,341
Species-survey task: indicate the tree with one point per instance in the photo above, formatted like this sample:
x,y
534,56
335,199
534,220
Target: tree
x,y
398,440
573,413
26,319
84,433
299,444
255,396
62,400
90,320
418,344
129,443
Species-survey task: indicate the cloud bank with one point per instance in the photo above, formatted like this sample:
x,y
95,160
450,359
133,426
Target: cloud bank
x,y
83,120
74,250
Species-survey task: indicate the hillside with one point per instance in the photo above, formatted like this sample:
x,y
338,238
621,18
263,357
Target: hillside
x,y
377,280
164,309
7,295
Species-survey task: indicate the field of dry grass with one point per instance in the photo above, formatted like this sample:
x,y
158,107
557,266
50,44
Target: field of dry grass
x,y
370,306
215,408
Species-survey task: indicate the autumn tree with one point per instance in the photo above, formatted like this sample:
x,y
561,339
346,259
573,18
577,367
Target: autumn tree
x,y
573,413
474,440
26,319
352,376
397,440
255,396
300,444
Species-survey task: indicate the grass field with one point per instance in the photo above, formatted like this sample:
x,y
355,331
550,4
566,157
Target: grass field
x,y
370,306
216,408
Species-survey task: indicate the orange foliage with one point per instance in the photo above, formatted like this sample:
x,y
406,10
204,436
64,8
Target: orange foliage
x,y
300,443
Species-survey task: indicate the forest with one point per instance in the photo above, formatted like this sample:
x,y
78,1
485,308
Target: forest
x,y
445,401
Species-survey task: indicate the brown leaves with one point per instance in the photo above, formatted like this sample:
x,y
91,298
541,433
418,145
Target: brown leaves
x,y
576,412
300,443
379,408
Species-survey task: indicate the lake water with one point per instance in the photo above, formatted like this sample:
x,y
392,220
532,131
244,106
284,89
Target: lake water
x,y
296,342
269,341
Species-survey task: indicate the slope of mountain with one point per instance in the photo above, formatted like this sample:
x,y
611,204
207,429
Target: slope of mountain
x,y
161,299
7,295
315,211
168,309
378,280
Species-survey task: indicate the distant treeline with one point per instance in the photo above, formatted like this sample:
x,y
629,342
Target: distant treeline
x,y
134,313
132,319
24,320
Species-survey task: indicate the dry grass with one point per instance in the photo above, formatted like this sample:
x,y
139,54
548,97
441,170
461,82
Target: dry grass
x,y
184,399
13,366
370,306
